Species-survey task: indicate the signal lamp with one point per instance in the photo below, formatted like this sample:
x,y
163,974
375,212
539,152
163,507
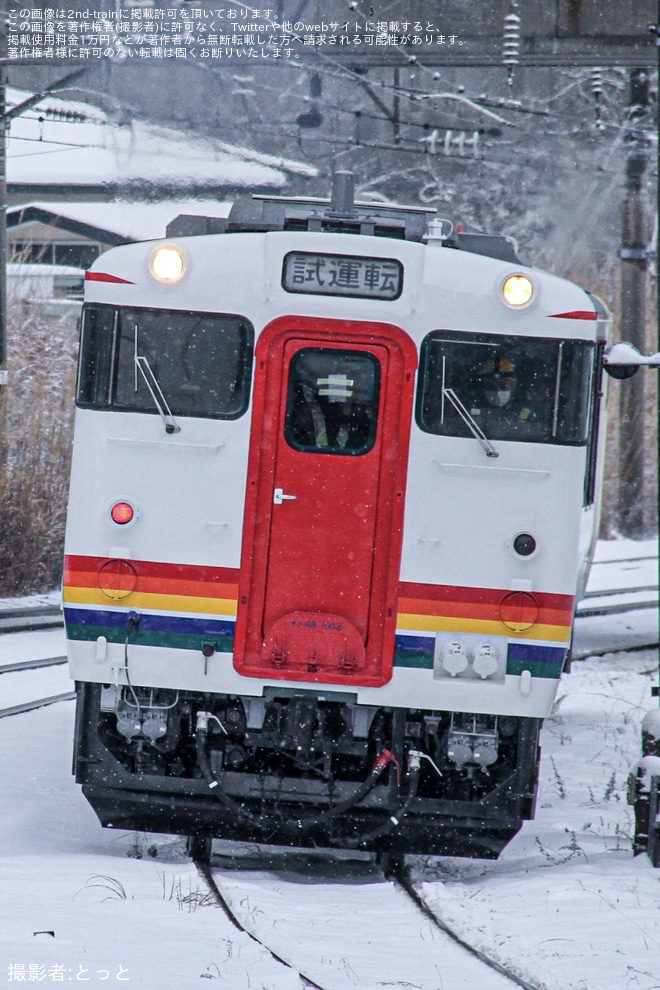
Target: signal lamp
x,y
517,291
524,544
167,263
122,513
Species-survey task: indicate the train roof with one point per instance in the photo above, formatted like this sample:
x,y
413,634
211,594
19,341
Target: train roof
x,y
341,214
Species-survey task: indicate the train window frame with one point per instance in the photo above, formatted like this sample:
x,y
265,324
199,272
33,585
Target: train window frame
x,y
591,469
565,388
292,393
99,362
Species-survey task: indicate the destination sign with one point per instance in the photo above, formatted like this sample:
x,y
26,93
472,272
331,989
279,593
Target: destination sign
x,y
342,275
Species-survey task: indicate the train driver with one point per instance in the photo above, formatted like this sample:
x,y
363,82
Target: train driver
x,y
501,400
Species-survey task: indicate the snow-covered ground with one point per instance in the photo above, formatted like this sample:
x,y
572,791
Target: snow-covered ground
x,y
567,905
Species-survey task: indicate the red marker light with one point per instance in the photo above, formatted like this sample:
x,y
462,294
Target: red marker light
x,y
122,513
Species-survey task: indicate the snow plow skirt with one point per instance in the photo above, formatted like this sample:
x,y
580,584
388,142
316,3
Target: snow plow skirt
x,y
199,814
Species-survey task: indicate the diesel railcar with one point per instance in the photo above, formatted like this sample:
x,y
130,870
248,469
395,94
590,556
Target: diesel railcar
x,y
334,495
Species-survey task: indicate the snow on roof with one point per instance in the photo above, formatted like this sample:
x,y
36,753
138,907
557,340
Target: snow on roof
x,y
45,148
131,221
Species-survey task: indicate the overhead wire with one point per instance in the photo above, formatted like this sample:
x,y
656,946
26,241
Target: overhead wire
x,y
327,65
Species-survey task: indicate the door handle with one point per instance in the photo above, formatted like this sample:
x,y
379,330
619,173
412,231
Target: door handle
x,y
279,497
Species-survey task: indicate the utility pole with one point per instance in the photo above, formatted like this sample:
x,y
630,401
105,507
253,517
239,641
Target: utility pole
x,y
634,260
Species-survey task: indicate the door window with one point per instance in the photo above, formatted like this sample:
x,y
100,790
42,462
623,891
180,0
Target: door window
x,y
332,401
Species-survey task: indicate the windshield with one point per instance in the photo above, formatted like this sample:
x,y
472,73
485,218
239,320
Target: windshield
x,y
200,361
514,388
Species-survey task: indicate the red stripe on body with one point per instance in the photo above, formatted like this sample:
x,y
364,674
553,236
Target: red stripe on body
x,y
158,578
443,594
104,277
576,314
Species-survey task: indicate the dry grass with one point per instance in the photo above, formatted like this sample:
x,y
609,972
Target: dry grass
x,y
36,448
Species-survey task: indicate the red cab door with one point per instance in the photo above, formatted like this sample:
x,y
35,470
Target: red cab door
x,y
325,498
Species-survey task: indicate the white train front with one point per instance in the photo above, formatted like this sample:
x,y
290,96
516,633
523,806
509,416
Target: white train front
x,y
333,497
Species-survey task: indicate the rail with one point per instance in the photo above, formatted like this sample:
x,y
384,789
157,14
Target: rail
x,y
29,706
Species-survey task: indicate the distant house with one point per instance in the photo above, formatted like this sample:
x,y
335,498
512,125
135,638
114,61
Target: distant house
x,y
79,183
50,290
69,233
27,282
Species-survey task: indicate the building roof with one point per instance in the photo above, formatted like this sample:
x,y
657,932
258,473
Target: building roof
x,y
112,223
60,147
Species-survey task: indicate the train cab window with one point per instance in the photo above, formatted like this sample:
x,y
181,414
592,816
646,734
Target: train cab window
x,y
332,401
508,388
199,362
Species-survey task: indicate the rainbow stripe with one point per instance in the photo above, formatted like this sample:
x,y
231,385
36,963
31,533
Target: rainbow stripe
x,y
446,608
425,609
184,606
165,587
181,606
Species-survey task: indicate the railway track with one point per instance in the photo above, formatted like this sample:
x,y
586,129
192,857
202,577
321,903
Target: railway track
x,y
9,668
22,666
379,931
29,706
25,618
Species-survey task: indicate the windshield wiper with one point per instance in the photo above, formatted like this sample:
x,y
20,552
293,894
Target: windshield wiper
x,y
142,365
472,426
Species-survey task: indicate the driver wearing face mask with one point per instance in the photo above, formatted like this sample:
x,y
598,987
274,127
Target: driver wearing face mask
x,y
499,381
500,393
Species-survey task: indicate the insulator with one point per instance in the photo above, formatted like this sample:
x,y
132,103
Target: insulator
x,y
459,140
597,82
511,43
431,142
597,89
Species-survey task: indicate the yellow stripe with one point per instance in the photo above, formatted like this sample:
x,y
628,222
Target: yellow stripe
x,y
160,603
441,623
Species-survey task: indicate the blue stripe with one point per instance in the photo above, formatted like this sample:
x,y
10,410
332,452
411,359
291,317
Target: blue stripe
x,y
150,622
536,654
414,651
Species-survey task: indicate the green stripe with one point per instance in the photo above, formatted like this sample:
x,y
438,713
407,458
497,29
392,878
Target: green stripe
x,y
172,641
413,658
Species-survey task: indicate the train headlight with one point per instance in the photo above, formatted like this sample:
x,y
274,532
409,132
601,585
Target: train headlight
x,y
517,291
168,263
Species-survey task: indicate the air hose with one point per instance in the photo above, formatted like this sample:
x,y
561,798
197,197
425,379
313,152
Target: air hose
x,y
385,758
201,735
414,763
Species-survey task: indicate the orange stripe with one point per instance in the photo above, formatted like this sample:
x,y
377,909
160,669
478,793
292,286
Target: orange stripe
x,y
160,586
466,610
156,578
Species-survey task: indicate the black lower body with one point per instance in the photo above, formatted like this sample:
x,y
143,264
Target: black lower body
x,y
293,769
